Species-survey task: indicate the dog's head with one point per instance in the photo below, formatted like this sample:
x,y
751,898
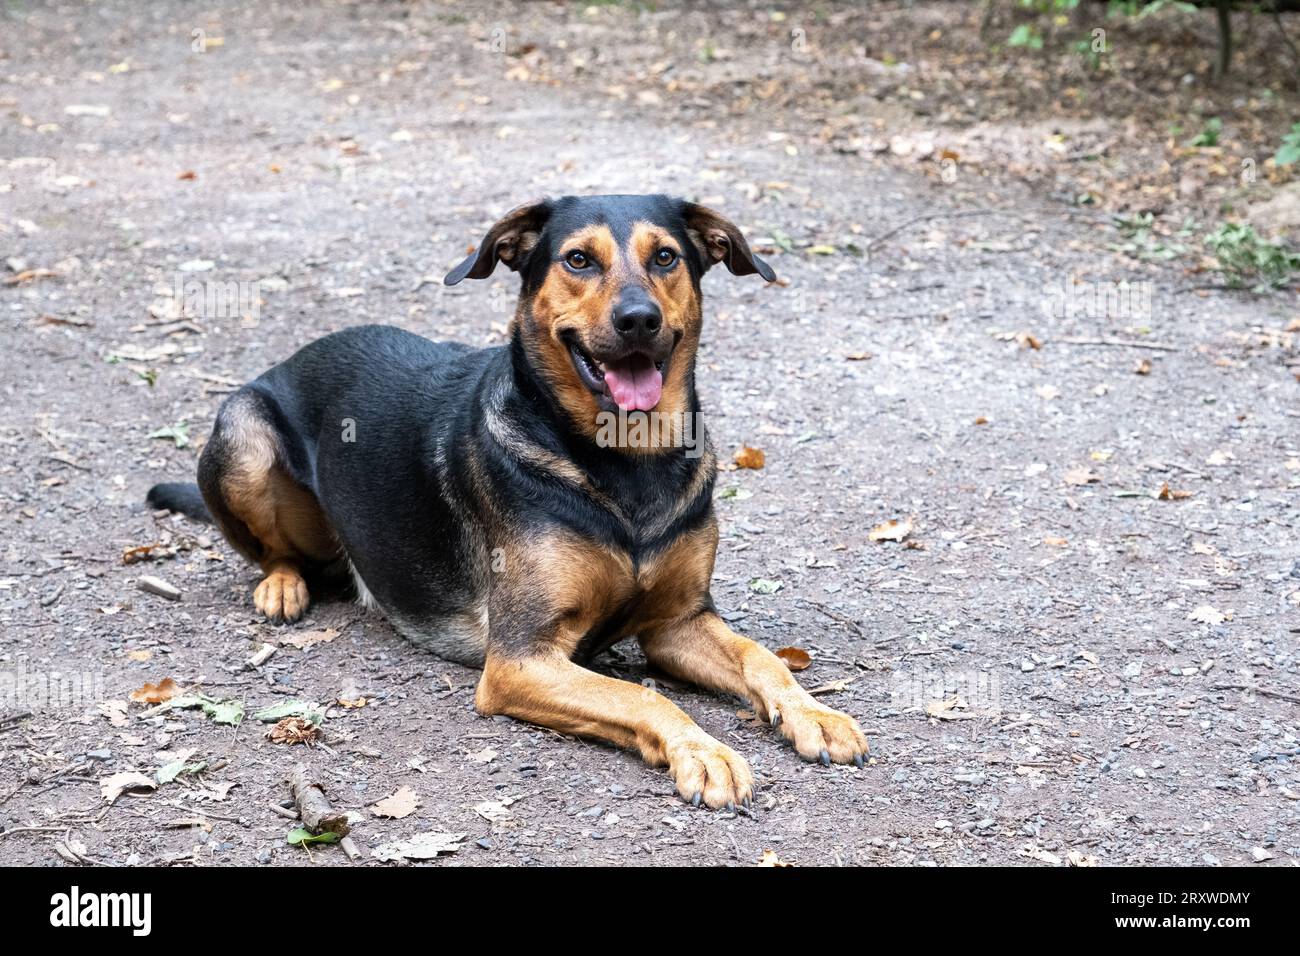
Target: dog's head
x,y
609,313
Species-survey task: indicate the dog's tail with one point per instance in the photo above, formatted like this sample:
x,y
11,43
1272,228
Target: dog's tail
x,y
182,496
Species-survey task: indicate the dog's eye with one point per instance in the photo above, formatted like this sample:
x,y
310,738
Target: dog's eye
x,y
665,257
577,260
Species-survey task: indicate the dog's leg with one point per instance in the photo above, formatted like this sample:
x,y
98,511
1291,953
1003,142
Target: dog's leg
x,y
262,511
703,650
546,688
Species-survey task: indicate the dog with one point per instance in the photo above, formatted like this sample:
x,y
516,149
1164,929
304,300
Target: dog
x,y
477,498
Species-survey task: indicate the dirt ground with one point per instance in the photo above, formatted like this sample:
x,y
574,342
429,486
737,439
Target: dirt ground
x,y
1084,651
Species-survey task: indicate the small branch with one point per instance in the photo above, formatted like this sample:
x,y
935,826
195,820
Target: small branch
x,y
1262,691
1122,343
317,814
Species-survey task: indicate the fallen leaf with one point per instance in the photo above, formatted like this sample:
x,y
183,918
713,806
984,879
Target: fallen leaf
x,y
221,711
422,846
140,656
311,713
157,693
495,810
895,529
1055,542
301,836
1168,494
397,806
486,755
771,859
832,686
115,711
1205,614
294,730
747,457
795,658
1143,367
143,552
1081,476
305,639
114,786
765,586
859,356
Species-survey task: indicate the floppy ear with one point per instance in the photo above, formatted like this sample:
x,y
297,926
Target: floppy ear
x,y
719,240
509,241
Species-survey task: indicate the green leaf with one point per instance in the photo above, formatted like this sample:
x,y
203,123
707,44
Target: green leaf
x,y
1026,35
221,711
300,836
765,586
178,433
171,771
1289,151
312,713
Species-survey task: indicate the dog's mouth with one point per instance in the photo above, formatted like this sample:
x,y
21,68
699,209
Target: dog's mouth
x,y
633,382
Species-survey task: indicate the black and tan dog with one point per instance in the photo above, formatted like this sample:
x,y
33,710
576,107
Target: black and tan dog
x,y
474,497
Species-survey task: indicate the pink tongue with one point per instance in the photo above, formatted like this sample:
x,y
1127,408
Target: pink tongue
x,y
634,383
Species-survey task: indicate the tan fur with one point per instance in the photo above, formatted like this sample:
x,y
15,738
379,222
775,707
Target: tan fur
x,y
548,689
285,519
567,303
705,651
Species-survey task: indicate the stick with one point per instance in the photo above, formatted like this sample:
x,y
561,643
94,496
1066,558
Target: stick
x,y
883,237
1123,343
317,814
1263,691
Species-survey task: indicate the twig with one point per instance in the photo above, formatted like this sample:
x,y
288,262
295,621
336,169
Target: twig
x,y
1262,691
1122,343
928,217
317,814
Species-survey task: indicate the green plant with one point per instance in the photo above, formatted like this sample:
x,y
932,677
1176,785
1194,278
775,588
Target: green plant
x,y
1246,257
1143,242
1289,151
1209,134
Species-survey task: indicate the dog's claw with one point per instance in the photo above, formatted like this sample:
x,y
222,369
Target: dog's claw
x,y
857,759
749,803
825,758
695,800
776,718
731,807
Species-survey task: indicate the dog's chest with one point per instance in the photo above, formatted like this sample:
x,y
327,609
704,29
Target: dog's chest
x,y
608,595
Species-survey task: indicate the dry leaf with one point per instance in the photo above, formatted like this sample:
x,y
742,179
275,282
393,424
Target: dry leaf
x,y
398,806
981,420
164,690
1207,615
1143,367
1081,476
771,859
858,356
142,552
115,711
747,457
294,730
832,686
116,785
1168,494
305,639
954,708
495,811
422,846
795,658
1055,542
140,656
895,529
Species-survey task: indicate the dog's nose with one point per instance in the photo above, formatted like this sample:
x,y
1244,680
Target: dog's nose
x,y
637,317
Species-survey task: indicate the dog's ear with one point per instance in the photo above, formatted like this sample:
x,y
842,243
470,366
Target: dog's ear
x,y
719,240
510,241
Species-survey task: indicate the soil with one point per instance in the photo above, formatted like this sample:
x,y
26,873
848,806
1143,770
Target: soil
x,y
1083,652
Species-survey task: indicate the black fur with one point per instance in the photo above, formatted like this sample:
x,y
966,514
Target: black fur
x,y
391,433
180,496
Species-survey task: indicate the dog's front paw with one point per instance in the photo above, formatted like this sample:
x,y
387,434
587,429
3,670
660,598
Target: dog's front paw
x,y
710,772
282,596
819,733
